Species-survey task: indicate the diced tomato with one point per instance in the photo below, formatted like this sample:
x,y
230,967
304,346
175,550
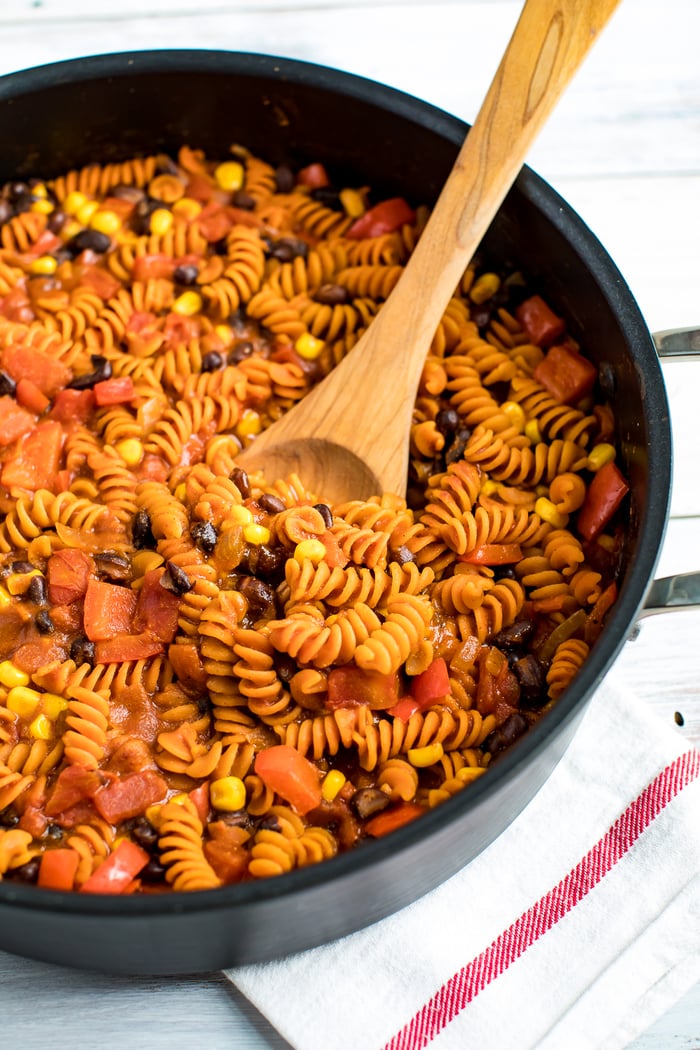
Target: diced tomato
x,y
34,821
497,691
153,266
200,188
179,329
73,406
14,420
214,222
384,217
603,497
286,772
100,281
349,686
432,684
15,306
199,796
114,391
45,243
493,554
334,553
130,796
109,610
187,664
567,375
30,396
46,372
74,784
34,462
152,468
68,572
116,872
539,321
57,869
391,819
230,864
314,176
156,608
125,647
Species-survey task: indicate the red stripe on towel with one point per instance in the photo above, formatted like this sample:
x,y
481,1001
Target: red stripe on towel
x,y
465,985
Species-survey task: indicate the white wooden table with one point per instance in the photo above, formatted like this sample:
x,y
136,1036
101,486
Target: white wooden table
x,y
624,149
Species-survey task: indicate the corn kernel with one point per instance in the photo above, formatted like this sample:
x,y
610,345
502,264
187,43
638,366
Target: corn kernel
x,y
22,700
42,207
224,333
39,190
187,208
180,798
309,347
608,543
230,175
44,264
228,794
144,561
74,202
425,756
310,550
515,414
353,203
484,287
331,784
532,430
549,513
600,455
86,212
53,705
249,424
188,304
11,675
70,229
240,515
19,582
161,222
106,221
153,814
5,598
256,534
130,450
489,487
41,728
180,492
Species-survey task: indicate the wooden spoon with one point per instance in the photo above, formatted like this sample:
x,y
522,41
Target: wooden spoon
x,y
348,438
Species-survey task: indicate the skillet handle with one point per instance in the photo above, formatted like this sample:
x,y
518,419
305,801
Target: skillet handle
x,y
672,593
678,344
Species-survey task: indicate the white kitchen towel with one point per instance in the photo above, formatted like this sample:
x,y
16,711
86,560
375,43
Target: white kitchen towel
x,y
576,929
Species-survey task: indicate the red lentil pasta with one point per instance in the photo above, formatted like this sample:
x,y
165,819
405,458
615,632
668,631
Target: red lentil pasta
x,y
209,676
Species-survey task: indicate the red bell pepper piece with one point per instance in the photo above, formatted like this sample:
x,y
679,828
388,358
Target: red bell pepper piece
x,y
349,686
14,420
314,176
117,871
384,217
35,460
46,372
603,497
497,691
199,796
108,610
68,573
114,391
391,819
72,406
229,863
566,374
156,608
186,661
30,396
493,554
426,689
130,795
124,647
153,266
286,772
57,869
540,322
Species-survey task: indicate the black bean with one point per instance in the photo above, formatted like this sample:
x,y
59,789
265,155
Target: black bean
x,y
403,555
102,370
44,623
271,503
506,734
24,203
154,871
204,535
328,197
141,533
37,591
28,872
175,579
56,221
7,384
515,636
240,351
89,240
9,818
240,479
243,200
284,179
113,565
531,676
54,831
607,379
285,666
141,217
447,421
186,274
481,315
20,567
263,560
238,819
326,513
143,833
133,194
269,823
456,450
16,190
259,595
5,211
82,650
288,248
368,801
212,361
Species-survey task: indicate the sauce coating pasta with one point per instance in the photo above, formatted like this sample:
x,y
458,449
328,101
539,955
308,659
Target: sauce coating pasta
x,y
209,676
